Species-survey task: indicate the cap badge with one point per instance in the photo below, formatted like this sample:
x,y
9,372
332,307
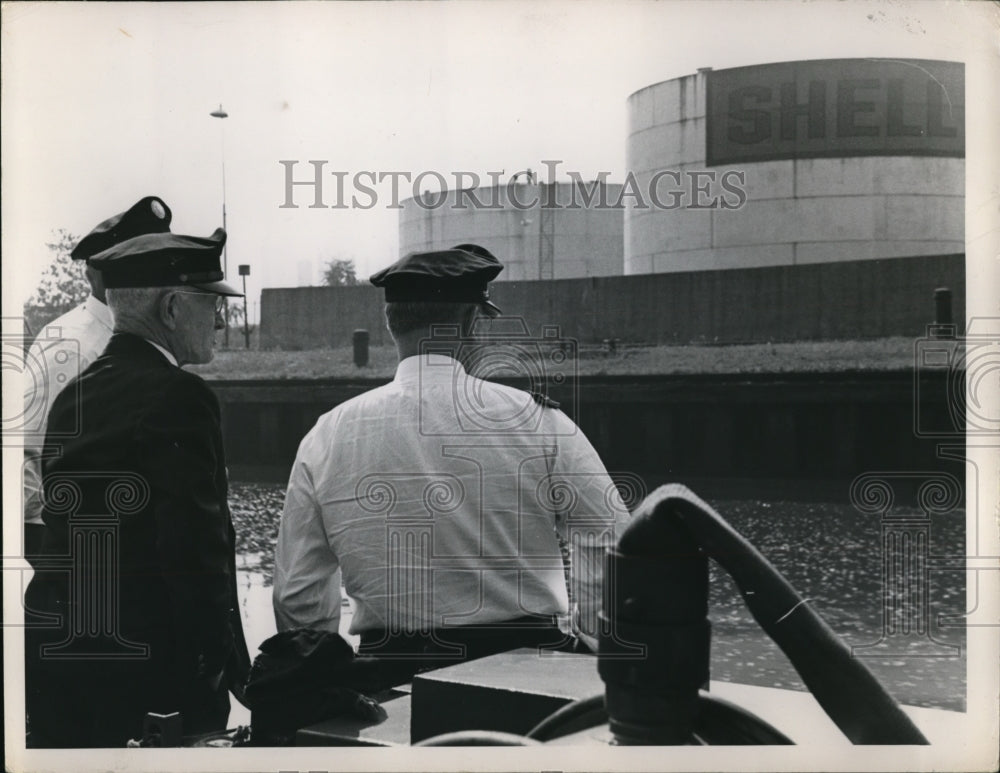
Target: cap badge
x,y
158,209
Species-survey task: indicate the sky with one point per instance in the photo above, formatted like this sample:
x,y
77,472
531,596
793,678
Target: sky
x,y
104,103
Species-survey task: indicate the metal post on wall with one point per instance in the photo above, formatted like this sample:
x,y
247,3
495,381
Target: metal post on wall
x,y
942,306
943,326
546,231
359,340
220,113
245,272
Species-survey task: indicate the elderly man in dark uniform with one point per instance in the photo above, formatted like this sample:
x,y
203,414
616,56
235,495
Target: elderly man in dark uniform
x,y
139,581
71,342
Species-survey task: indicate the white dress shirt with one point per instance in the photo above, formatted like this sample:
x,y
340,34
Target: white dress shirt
x,y
163,350
63,350
439,498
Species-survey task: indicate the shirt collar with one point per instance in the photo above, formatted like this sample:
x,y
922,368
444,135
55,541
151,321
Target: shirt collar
x,y
99,311
427,366
170,357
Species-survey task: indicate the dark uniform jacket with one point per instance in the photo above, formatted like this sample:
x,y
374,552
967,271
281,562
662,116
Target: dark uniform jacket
x,y
154,635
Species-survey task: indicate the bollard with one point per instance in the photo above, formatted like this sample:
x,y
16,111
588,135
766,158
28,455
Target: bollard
x,y
360,341
943,326
942,306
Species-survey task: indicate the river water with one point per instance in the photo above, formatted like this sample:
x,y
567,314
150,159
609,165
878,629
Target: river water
x,y
830,553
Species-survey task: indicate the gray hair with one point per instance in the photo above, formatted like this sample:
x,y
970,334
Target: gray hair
x,y
131,305
407,316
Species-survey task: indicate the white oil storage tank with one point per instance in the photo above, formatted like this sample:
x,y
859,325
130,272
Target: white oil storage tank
x,y
539,230
796,162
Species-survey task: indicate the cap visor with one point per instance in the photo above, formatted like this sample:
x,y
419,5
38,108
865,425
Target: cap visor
x,y
219,288
491,308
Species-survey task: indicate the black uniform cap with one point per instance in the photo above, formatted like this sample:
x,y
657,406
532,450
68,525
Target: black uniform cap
x,y
165,259
458,275
147,216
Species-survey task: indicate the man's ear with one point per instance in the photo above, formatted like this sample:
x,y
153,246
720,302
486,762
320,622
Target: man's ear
x,y
96,280
168,310
469,317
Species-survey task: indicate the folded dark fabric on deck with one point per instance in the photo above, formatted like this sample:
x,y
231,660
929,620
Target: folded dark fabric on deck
x,y
302,677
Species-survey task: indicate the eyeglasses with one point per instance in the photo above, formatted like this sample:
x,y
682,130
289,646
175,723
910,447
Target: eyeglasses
x,y
220,300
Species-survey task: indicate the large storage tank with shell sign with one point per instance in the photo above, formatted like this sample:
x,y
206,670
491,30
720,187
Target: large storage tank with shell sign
x,y
796,162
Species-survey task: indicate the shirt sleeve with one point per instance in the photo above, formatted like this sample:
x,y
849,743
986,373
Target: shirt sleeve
x,y
60,365
306,571
590,522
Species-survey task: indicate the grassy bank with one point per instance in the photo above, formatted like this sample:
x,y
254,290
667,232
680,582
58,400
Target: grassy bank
x,y
885,354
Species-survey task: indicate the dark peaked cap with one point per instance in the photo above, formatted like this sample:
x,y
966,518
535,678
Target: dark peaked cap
x,y
165,259
149,215
458,275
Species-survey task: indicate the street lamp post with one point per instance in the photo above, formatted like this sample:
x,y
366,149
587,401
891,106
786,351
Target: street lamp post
x,y
245,272
220,113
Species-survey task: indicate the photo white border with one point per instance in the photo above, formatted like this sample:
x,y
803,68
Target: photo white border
x,y
976,750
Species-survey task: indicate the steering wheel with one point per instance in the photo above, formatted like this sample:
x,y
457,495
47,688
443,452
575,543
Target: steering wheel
x,y
718,722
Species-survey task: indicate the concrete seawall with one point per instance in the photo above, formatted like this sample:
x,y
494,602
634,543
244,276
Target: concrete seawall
x,y
800,435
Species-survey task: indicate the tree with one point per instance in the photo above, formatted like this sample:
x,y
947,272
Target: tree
x,y
63,285
236,314
339,272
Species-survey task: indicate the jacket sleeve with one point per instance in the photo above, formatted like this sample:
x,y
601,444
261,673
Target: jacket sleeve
x,y
307,573
181,444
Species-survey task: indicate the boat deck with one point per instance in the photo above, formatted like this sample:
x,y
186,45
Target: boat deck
x,y
514,691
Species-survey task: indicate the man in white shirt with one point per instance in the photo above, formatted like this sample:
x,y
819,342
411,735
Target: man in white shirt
x,y
66,346
441,499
